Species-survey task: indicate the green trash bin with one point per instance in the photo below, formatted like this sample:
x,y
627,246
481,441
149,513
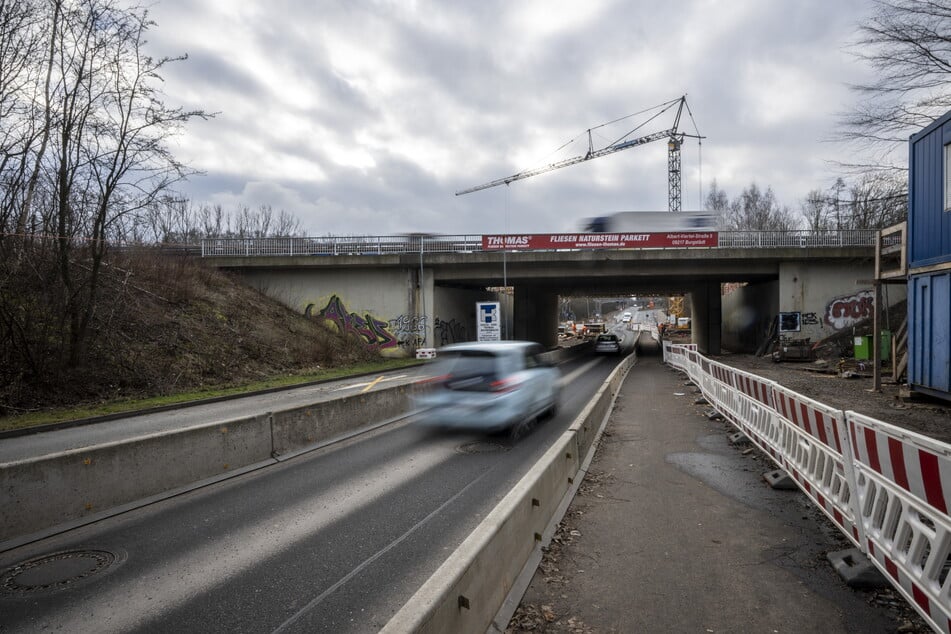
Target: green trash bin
x,y
886,345
863,347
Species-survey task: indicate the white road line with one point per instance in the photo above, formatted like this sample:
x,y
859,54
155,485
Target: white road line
x,y
565,380
370,383
192,572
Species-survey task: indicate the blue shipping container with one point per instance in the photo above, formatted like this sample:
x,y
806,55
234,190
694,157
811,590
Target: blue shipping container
x,y
929,333
929,225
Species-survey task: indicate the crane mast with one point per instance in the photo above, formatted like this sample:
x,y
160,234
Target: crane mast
x,y
674,142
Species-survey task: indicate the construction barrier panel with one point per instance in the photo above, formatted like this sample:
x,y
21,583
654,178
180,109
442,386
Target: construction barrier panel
x,y
886,488
816,454
904,493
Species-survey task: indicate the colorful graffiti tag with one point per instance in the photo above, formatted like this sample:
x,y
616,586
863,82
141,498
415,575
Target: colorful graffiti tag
x,y
373,331
843,312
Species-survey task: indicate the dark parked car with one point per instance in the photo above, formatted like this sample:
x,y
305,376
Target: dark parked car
x,y
489,387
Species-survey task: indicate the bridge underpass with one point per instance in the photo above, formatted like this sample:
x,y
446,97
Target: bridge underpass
x,y
430,291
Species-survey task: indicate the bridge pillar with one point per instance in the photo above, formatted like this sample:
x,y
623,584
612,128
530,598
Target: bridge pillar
x,y
706,317
536,315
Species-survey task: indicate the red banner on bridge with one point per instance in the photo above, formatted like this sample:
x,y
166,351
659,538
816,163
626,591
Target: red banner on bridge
x,y
541,241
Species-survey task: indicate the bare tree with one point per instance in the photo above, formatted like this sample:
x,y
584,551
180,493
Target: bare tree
x,y
815,209
757,210
908,45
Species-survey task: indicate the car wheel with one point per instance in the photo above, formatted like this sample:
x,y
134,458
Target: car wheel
x,y
520,429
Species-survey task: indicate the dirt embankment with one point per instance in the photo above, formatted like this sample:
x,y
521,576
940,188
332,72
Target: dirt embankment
x,y
167,324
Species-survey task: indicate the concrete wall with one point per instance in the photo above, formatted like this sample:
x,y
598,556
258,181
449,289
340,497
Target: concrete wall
x,y
387,308
747,313
454,314
830,298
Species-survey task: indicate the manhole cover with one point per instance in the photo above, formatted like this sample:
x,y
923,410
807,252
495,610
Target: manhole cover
x,y
55,572
482,446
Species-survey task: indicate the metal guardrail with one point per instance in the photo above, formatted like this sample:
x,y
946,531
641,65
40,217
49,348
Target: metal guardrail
x,y
401,244
887,489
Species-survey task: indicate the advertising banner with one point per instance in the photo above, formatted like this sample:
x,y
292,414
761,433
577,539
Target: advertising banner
x,y
543,241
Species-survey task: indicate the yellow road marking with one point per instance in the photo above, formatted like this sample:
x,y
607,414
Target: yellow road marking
x,y
371,384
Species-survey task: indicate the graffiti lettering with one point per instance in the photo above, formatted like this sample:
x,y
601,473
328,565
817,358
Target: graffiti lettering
x,y
843,312
447,332
373,331
810,319
410,330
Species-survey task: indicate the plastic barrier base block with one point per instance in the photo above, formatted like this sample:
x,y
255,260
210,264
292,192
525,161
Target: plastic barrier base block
x,y
701,401
713,415
856,570
739,438
779,479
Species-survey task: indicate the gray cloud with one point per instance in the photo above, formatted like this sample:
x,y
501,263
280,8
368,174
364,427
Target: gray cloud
x,y
368,116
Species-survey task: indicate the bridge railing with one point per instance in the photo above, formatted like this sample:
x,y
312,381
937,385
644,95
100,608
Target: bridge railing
x,y
887,489
383,245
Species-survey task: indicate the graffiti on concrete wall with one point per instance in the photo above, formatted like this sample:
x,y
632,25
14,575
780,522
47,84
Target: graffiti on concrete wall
x,y
374,332
405,330
843,312
409,330
450,331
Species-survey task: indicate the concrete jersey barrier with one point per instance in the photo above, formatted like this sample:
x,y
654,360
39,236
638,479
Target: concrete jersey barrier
x,y
85,484
43,492
468,590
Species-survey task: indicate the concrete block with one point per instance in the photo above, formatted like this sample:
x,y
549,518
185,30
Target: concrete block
x,y
739,438
701,401
714,415
856,570
780,480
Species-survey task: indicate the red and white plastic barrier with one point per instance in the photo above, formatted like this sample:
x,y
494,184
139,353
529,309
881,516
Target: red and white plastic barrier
x,y
886,488
816,454
904,493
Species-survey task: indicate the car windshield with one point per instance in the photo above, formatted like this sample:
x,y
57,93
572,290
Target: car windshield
x,y
607,338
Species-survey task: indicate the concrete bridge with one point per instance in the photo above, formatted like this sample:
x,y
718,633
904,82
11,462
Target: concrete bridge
x,y
403,292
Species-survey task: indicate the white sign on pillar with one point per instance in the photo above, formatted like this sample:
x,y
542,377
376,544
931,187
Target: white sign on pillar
x,y
489,321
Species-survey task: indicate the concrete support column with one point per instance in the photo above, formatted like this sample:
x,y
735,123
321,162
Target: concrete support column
x,y
706,317
536,315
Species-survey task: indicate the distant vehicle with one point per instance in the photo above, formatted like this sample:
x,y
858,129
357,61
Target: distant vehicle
x,y
607,344
491,387
651,222
626,318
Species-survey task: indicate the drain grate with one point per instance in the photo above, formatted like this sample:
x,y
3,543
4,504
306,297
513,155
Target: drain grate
x,y
482,446
55,572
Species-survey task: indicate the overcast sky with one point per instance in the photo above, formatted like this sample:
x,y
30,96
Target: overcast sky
x,y
366,117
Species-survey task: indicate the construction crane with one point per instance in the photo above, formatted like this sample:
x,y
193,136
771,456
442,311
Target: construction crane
x,y
673,135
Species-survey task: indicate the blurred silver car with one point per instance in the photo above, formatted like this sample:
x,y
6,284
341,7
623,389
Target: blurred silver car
x,y
607,343
489,387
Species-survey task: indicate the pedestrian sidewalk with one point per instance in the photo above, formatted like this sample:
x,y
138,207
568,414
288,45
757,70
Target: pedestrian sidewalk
x,y
674,530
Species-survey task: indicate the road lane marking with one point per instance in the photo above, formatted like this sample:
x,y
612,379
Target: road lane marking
x,y
326,593
565,380
372,384
159,590
380,379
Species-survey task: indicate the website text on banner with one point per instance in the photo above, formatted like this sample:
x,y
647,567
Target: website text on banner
x,y
887,489
540,241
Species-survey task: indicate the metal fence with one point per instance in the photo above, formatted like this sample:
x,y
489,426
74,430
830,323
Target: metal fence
x,y
384,245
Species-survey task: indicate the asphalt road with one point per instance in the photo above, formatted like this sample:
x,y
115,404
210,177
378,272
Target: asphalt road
x,y
332,541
